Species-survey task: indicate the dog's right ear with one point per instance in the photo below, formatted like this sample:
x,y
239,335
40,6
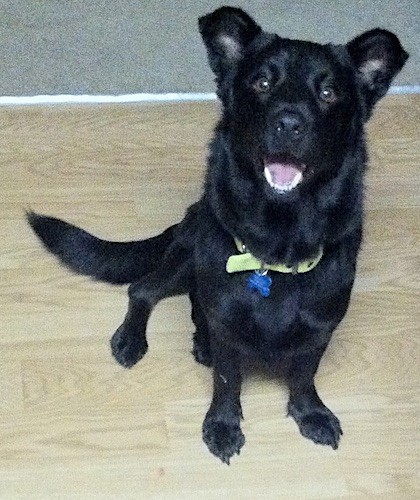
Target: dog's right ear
x,y
226,32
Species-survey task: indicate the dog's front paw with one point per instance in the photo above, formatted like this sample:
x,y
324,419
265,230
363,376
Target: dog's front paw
x,y
223,438
319,425
127,348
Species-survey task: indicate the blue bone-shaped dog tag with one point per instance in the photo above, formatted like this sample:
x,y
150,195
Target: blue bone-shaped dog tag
x,y
260,282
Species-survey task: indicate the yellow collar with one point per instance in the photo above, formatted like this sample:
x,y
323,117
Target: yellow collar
x,y
247,262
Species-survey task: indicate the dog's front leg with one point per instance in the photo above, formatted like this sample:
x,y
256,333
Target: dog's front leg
x,y
201,338
173,277
221,428
315,420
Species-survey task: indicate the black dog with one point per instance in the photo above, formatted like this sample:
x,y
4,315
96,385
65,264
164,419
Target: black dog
x,y
268,254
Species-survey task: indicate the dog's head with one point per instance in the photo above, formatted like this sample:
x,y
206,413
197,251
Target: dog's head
x,y
291,108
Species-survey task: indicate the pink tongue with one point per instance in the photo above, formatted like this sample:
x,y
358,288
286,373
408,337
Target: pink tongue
x,y
282,173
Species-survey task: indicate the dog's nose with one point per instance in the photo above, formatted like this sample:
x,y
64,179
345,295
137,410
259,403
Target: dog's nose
x,y
290,123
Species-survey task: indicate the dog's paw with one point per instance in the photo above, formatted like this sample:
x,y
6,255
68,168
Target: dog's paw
x,y
127,348
202,354
319,425
222,438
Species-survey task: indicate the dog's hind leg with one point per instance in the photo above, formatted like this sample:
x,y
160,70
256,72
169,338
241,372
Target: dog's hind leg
x,y
173,277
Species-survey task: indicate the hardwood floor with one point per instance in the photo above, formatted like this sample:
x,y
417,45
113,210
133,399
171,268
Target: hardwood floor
x,y
75,424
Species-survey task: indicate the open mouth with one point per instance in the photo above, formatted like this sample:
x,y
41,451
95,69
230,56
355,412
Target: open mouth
x,y
283,173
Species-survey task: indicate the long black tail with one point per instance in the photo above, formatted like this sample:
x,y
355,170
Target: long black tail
x,y
113,262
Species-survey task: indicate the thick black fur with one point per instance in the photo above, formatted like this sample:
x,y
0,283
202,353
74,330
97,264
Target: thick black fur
x,y
298,101
113,262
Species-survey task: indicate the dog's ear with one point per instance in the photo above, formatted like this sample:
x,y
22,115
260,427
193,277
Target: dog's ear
x,y
378,56
226,32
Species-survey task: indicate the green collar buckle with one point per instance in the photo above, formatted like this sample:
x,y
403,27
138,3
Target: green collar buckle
x,y
247,262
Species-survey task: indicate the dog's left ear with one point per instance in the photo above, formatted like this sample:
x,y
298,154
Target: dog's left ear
x,y
378,56
226,32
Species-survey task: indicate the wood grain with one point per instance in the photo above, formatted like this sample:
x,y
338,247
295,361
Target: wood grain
x,y
74,424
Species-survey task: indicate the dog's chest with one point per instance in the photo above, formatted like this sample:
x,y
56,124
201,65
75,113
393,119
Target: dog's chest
x,y
297,314
266,325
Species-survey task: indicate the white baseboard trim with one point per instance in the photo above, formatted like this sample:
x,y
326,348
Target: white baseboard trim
x,y
404,89
134,98
104,99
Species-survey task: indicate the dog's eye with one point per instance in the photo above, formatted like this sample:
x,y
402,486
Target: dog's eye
x,y
328,94
262,84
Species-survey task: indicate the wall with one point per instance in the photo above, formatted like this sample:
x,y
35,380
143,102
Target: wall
x,y
129,46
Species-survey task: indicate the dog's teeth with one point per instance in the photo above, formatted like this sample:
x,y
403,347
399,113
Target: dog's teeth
x,y
284,187
296,180
267,174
